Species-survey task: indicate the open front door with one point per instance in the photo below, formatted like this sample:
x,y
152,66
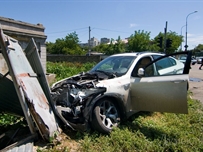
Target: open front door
x,y
165,89
163,94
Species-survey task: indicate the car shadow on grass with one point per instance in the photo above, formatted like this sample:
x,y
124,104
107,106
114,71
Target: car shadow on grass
x,y
148,130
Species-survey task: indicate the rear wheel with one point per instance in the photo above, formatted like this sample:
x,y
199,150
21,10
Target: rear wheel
x,y
106,115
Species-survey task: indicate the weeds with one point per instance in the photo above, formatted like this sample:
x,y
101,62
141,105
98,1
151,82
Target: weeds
x,y
67,69
8,119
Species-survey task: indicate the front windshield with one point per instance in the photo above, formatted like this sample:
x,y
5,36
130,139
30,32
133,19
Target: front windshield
x,y
117,65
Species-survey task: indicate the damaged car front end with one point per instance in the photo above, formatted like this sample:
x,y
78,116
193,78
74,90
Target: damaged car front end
x,y
75,100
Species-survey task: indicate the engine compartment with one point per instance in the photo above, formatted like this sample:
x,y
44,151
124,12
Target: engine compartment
x,y
73,99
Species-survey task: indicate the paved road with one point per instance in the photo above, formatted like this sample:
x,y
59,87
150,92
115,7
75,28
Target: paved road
x,y
196,82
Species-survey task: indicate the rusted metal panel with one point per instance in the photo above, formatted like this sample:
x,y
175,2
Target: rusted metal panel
x,y
32,55
29,91
5,51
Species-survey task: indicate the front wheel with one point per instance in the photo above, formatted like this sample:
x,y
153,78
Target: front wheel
x,y
106,115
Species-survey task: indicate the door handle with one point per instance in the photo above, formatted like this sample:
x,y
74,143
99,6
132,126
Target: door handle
x,y
179,81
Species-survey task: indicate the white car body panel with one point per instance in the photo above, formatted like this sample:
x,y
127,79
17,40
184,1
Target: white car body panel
x,y
178,70
163,94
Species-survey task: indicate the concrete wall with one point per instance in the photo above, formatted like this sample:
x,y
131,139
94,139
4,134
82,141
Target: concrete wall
x,y
3,65
23,32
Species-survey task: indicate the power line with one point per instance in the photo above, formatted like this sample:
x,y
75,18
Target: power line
x,y
111,30
85,30
67,30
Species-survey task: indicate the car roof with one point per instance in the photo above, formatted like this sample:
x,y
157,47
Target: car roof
x,y
137,54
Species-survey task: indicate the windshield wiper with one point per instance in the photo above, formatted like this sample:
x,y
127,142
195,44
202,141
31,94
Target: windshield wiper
x,y
110,74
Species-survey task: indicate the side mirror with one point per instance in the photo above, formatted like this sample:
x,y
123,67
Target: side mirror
x,y
140,72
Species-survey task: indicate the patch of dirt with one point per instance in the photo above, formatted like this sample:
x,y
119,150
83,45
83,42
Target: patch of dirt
x,y
66,141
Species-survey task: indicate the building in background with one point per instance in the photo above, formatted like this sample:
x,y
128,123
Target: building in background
x,y
93,42
23,32
104,40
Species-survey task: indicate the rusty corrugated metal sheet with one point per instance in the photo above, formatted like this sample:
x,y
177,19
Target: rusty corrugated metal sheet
x,y
23,145
27,147
32,98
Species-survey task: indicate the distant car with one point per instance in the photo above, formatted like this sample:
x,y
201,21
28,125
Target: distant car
x,y
183,60
199,60
119,86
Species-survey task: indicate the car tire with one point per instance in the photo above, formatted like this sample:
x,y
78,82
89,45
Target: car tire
x,y
106,115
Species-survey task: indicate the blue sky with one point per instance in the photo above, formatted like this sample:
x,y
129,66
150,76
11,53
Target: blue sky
x,y
109,18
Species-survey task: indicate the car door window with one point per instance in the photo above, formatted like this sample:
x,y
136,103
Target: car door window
x,y
167,66
141,64
173,62
163,63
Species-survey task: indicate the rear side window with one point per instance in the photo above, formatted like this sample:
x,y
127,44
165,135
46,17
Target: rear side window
x,y
172,61
165,63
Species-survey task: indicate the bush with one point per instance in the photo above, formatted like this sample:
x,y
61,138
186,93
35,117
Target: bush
x,y
67,69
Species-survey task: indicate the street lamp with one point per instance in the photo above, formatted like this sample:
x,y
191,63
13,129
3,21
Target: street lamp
x,y
186,30
181,35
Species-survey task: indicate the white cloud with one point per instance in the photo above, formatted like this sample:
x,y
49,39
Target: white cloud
x,y
197,17
133,25
194,40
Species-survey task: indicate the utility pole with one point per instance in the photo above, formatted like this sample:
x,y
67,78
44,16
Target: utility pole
x,y
165,32
89,42
186,46
181,48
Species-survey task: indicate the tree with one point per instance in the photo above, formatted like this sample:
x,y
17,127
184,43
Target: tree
x,y
139,41
49,47
58,47
119,46
172,40
198,50
113,48
101,48
68,45
176,41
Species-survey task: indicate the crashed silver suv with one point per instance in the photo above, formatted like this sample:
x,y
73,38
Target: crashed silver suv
x,y
120,86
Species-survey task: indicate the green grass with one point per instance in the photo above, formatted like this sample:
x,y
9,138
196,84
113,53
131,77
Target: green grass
x,y
152,132
143,132
67,69
8,119
10,122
